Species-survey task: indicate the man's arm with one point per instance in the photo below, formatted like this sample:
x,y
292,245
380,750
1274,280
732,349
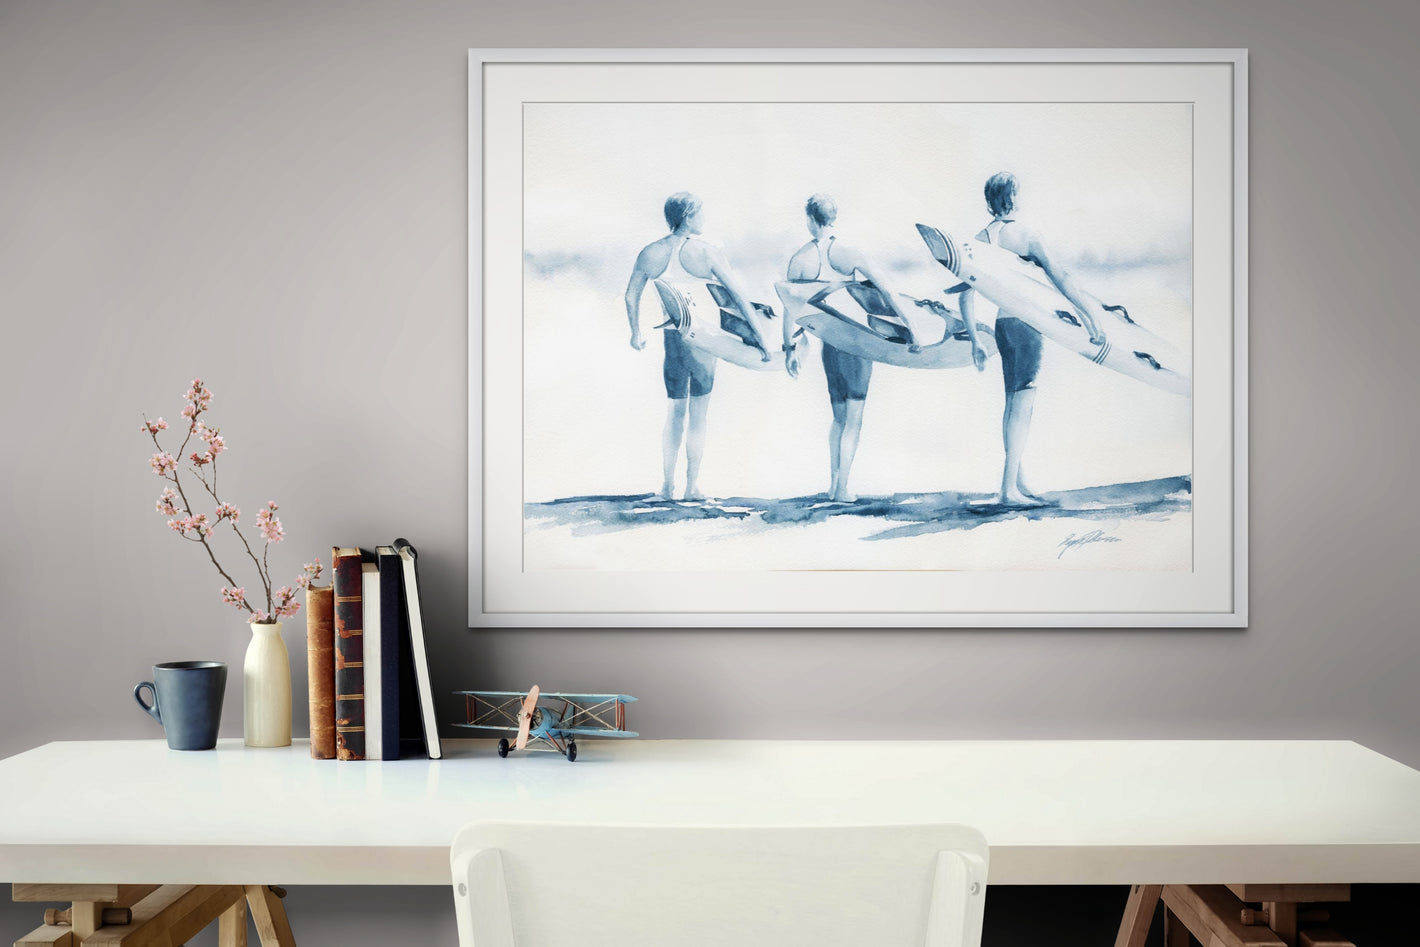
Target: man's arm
x,y
968,315
1066,284
725,276
798,271
640,275
849,257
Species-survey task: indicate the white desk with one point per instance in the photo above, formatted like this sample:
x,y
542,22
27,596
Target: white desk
x,y
1059,812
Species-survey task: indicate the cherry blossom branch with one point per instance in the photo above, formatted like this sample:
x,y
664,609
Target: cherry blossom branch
x,y
196,527
198,524
262,569
225,511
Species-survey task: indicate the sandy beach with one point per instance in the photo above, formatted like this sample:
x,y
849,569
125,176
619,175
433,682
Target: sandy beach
x,y
1126,527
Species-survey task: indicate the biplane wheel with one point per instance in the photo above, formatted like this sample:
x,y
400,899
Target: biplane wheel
x,y
571,752
503,748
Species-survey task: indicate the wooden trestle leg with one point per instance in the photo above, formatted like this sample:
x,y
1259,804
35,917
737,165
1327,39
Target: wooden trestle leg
x,y
232,926
155,915
1138,915
1221,916
269,913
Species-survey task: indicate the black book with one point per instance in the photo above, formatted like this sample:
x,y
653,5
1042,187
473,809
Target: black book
x,y
391,644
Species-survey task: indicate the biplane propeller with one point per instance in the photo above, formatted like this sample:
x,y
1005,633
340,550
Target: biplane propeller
x,y
555,723
525,720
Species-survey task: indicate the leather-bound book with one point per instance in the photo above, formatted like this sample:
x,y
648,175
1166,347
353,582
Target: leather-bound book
x,y
320,665
349,655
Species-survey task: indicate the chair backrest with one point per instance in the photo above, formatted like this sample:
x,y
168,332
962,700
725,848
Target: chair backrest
x,y
542,884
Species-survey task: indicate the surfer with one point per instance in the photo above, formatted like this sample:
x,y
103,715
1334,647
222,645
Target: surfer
x,y
825,259
1018,342
689,375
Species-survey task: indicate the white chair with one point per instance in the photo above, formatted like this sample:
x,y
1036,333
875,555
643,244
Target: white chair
x,y
544,884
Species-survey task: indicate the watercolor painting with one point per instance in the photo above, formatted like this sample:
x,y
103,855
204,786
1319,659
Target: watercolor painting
x,y
857,336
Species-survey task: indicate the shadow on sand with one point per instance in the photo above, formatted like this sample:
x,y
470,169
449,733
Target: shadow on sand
x,y
918,513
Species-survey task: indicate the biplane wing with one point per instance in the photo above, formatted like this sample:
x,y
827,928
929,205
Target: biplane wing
x,y
588,714
591,698
595,732
491,710
599,714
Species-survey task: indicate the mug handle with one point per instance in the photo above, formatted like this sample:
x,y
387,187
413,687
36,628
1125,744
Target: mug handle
x,y
150,709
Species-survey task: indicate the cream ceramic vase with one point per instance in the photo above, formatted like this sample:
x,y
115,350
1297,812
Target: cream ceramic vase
x,y
266,688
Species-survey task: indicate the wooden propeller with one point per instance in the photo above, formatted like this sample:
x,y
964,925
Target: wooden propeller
x,y
525,717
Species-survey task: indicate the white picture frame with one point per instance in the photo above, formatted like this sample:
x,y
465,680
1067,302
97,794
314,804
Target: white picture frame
x,y
1212,591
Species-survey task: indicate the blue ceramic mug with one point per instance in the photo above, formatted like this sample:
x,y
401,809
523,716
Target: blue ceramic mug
x,y
187,701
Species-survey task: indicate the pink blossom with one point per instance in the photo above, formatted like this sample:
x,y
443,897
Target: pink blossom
x,y
309,573
162,463
153,427
189,524
215,446
199,459
225,511
215,443
198,399
269,525
198,395
235,597
165,502
285,604
259,617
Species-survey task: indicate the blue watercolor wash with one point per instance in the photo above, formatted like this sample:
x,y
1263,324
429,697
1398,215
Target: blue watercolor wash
x,y
918,513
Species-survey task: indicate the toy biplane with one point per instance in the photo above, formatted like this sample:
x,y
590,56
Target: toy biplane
x,y
555,724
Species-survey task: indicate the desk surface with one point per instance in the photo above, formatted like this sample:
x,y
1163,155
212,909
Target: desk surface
x,y
1054,812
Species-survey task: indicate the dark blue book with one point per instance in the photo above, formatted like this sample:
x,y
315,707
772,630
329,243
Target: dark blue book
x,y
391,636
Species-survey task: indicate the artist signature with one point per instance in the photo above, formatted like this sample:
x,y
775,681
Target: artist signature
x,y
1093,536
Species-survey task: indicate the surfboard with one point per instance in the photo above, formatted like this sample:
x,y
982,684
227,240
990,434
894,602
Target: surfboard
x,y
853,316
705,316
1022,290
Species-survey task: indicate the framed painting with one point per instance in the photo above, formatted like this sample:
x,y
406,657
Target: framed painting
x,y
857,338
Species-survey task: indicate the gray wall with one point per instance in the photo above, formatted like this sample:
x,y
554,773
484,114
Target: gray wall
x,y
273,195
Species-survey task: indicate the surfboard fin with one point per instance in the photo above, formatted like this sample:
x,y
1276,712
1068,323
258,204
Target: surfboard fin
x,y
736,326
677,308
889,329
871,298
725,301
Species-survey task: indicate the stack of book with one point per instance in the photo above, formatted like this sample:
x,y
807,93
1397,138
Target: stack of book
x,y
370,692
